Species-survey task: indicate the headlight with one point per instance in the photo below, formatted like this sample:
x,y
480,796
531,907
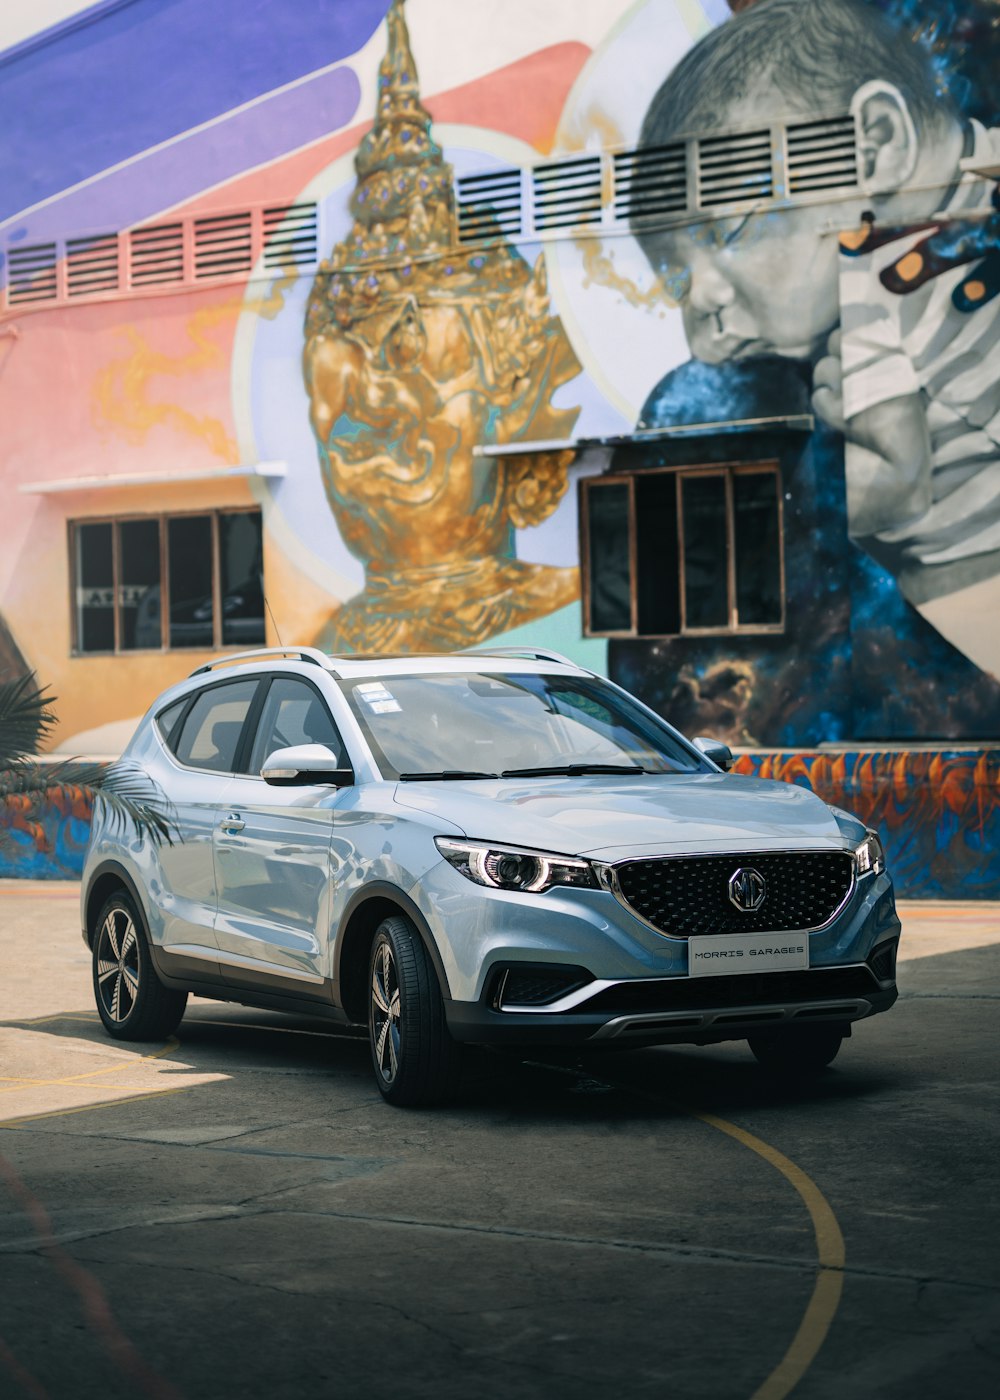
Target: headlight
x,y
508,868
869,857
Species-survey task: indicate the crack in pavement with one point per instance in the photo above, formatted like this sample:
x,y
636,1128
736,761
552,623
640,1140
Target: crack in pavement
x,y
686,1253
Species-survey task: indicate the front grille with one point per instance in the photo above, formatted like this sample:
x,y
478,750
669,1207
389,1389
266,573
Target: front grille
x,y
751,989
685,896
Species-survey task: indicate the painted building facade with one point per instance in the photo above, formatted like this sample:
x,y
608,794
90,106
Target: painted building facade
x,y
657,334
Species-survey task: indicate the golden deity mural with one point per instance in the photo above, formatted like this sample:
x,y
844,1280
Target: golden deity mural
x,y
418,350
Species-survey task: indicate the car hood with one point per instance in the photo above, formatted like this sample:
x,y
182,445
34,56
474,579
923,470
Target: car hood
x,y
610,817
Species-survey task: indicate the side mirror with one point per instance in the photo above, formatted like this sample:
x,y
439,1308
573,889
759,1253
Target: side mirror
x,y
718,752
303,765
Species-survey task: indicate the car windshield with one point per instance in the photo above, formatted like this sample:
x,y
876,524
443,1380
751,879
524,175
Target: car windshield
x,y
439,725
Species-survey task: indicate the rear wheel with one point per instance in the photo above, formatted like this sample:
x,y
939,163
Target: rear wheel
x,y
416,1062
132,1001
798,1050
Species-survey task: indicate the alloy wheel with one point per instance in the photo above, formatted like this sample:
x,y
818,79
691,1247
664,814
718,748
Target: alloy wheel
x,y
385,1013
118,965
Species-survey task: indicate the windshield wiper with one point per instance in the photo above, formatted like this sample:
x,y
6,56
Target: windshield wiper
x,y
447,773
573,770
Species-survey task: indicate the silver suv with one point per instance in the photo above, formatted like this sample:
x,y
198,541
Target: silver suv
x,y
490,847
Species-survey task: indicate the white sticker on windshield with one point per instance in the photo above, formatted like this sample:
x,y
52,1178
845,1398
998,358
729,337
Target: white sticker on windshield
x,y
382,707
375,691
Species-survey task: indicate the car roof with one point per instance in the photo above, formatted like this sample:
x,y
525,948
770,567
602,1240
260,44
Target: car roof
x,y
516,660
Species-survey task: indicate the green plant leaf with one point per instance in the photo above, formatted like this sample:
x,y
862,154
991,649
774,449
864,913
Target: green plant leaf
x,y
26,718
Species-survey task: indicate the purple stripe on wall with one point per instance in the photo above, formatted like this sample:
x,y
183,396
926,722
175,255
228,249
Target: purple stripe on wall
x,y
91,96
161,179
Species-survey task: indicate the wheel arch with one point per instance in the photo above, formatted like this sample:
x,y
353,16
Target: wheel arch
x,y
108,877
361,918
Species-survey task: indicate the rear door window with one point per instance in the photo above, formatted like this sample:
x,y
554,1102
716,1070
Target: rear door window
x,y
211,733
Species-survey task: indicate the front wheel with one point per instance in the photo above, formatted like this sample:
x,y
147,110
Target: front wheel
x,y
416,1062
132,1001
798,1050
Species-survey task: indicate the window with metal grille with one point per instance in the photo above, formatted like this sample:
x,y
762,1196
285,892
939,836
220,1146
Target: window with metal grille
x,y
32,274
92,265
683,550
223,245
651,182
489,206
156,255
291,235
698,175
567,192
821,155
183,252
167,582
735,168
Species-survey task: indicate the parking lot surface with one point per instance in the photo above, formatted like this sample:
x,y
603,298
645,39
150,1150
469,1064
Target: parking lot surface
x,y
236,1212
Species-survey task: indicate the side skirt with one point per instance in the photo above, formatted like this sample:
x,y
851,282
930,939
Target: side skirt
x,y
207,979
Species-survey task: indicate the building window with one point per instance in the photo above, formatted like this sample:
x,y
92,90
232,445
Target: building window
x,y
683,551
167,582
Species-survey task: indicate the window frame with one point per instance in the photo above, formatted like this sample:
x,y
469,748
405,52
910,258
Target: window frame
x,y
245,748
249,722
727,470
162,518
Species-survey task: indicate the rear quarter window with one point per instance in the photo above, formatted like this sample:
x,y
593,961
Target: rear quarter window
x,y
166,721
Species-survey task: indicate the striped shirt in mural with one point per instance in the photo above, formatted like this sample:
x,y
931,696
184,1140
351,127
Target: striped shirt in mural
x,y
936,342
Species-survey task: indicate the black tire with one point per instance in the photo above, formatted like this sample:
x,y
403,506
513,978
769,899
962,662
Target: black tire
x,y
131,1000
798,1051
415,1060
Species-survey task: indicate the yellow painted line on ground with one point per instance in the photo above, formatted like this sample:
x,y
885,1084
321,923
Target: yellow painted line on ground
x,y
90,1019
825,1299
172,1044
93,1107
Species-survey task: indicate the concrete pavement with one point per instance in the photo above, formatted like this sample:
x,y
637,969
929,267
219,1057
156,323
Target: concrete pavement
x,y
237,1213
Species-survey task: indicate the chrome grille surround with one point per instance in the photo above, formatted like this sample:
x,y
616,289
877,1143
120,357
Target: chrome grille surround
x,y
684,896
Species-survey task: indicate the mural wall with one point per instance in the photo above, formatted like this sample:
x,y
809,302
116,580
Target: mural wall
x,y
364,403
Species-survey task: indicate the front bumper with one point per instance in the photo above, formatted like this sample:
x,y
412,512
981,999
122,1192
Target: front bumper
x,y
683,1010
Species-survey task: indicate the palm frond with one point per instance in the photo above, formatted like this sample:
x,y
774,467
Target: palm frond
x,y
26,717
125,793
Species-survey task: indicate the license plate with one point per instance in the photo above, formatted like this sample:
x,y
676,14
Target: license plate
x,y
725,953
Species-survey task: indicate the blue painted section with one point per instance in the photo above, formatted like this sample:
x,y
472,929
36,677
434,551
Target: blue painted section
x,y
96,94
169,176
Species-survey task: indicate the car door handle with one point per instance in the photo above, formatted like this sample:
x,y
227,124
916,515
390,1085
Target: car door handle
x,y
232,824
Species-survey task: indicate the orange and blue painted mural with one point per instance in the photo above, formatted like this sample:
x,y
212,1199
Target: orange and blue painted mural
x,y
938,814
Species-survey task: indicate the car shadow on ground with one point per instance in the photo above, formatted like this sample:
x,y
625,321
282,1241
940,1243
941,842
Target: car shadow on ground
x,y
634,1084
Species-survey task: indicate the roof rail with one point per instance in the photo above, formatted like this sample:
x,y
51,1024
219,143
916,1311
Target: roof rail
x,y
311,654
527,653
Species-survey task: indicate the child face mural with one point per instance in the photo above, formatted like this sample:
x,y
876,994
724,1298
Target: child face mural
x,y
752,285
889,316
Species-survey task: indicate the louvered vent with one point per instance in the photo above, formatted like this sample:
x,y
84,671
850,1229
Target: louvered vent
x,y
489,206
32,274
223,245
822,155
651,181
732,169
156,254
290,236
567,192
92,265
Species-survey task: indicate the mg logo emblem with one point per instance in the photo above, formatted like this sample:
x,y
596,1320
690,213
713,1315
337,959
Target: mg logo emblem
x,y
747,889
